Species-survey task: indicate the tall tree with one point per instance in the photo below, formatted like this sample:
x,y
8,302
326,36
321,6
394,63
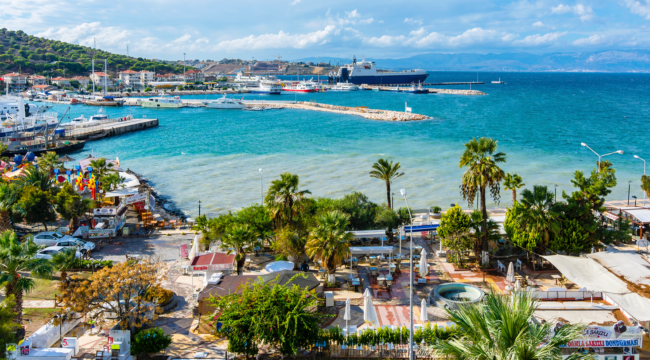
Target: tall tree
x,y
501,327
454,232
64,261
49,161
513,182
481,159
71,205
239,239
645,185
101,167
328,240
538,215
36,205
284,200
387,171
17,257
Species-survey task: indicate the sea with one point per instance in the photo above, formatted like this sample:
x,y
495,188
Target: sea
x,y
539,119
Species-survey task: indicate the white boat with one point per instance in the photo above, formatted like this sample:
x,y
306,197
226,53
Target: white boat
x,y
225,103
163,101
267,87
255,109
344,87
315,84
81,121
498,82
10,107
305,87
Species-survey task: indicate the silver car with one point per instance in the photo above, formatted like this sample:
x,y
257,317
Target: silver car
x,y
83,246
48,252
50,238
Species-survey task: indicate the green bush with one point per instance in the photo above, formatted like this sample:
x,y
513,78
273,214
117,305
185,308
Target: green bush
x,y
150,341
280,257
89,264
147,89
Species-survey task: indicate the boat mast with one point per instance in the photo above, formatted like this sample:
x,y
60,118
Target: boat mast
x,y
105,75
93,77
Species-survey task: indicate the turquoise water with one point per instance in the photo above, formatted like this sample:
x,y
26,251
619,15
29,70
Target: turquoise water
x,y
539,119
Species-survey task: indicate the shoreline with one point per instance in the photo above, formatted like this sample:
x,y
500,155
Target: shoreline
x,y
161,200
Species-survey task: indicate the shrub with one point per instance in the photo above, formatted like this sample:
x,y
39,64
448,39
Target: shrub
x,y
161,296
88,264
280,257
150,341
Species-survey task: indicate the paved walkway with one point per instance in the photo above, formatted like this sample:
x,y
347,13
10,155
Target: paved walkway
x,y
40,304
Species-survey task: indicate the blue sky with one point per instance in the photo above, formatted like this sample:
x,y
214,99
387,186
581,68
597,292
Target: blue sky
x,y
306,28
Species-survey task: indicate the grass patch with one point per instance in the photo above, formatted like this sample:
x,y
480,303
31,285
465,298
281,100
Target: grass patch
x,y
40,312
44,289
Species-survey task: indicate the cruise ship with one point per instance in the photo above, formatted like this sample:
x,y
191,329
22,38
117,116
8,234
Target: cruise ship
x,y
365,72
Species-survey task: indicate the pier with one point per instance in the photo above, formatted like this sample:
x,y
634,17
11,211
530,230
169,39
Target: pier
x,y
112,127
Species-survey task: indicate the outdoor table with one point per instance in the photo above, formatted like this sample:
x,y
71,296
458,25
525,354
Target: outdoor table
x,y
416,256
391,268
556,277
373,271
381,278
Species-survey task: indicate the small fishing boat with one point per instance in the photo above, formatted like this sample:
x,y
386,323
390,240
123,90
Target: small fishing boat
x,y
416,89
105,101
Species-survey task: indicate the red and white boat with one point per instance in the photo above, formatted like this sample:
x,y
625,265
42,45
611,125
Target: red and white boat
x,y
300,87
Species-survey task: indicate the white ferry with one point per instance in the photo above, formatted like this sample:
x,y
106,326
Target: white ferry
x,y
163,101
266,87
365,72
225,103
344,87
10,107
304,87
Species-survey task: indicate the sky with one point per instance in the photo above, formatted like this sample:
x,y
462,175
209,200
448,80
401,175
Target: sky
x,y
297,29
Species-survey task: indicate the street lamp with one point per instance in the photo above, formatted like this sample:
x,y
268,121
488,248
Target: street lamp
x,y
634,197
637,157
601,156
629,184
62,318
403,192
199,207
261,188
555,193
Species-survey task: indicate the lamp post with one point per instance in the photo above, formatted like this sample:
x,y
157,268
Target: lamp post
x,y
62,318
555,194
261,187
199,207
634,197
403,192
601,156
637,157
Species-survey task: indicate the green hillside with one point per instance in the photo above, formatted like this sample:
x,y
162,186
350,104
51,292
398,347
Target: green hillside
x,y
34,55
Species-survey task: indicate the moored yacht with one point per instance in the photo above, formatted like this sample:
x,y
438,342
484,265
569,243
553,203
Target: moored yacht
x,y
163,101
300,87
225,103
344,87
267,87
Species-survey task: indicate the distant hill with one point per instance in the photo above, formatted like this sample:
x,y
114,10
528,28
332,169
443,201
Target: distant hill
x,y
602,61
34,55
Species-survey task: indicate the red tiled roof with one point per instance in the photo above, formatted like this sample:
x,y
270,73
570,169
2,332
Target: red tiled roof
x,y
80,78
128,72
60,79
192,71
42,86
34,77
213,259
13,74
100,74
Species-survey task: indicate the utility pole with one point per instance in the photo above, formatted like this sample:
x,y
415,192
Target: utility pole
x,y
183,66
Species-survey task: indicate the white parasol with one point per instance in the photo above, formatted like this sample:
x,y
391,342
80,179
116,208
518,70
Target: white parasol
x,y
424,266
195,247
369,312
510,277
423,312
347,316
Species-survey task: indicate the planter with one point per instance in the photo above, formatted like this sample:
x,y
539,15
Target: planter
x,y
437,215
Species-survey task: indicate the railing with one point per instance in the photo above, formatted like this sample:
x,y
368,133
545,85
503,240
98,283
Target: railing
x,y
80,129
567,295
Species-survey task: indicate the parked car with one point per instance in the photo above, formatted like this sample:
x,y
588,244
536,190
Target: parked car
x,y
48,252
83,246
50,238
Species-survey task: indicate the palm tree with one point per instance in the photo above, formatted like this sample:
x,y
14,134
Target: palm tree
x,y
101,167
64,261
328,240
17,257
502,327
384,170
284,200
37,178
49,161
8,198
645,185
111,181
482,172
238,239
537,214
513,182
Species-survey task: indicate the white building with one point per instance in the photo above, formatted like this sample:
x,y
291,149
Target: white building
x,y
147,77
130,77
99,77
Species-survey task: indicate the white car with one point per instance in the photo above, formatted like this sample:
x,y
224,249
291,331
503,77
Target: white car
x,y
75,243
48,252
50,238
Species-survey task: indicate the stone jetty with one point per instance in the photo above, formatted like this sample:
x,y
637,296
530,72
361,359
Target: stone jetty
x,y
373,114
457,92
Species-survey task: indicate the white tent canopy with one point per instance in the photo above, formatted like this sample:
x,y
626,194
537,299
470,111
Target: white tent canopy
x,y
628,265
130,180
368,233
634,304
587,273
643,215
121,192
365,250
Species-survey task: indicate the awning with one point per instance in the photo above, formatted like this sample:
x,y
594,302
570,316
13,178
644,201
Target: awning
x,y
643,215
634,304
588,273
122,192
369,233
421,228
130,180
628,265
361,250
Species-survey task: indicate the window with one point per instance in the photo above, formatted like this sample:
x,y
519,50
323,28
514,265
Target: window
x,y
57,235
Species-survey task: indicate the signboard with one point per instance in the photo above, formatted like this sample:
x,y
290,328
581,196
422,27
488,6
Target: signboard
x,y
71,343
619,335
610,216
184,252
136,198
212,267
101,233
122,338
105,211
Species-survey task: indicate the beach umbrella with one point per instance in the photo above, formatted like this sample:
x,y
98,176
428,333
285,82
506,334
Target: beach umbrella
x,y
424,266
347,316
195,247
369,312
517,286
424,316
510,277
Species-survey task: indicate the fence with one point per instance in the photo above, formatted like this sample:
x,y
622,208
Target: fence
x,y
567,295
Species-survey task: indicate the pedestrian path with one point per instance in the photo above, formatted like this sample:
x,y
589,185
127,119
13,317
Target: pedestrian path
x,y
38,304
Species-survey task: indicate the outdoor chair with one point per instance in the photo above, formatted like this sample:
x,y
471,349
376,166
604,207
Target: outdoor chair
x,y
518,265
99,355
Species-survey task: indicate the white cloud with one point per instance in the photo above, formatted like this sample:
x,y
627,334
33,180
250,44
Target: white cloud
x,y
381,21
421,39
592,40
386,40
585,13
352,14
328,12
86,33
366,21
539,39
413,21
294,2
183,39
641,8
539,24
279,40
